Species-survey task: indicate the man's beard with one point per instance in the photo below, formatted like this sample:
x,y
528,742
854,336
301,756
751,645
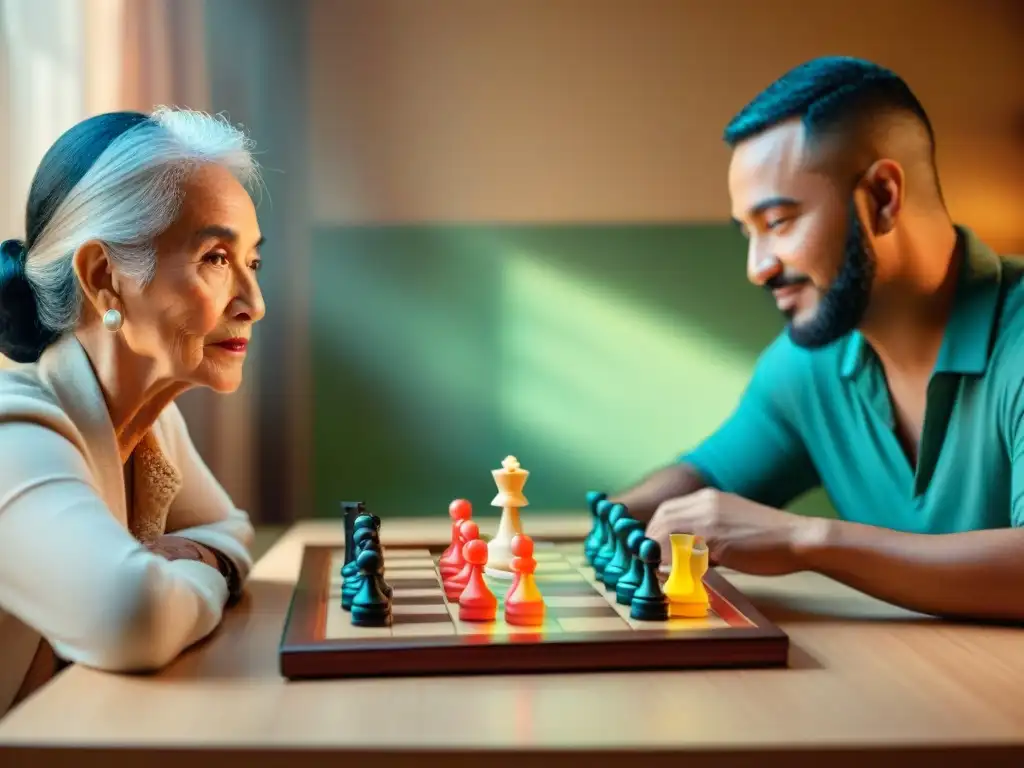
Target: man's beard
x,y
842,308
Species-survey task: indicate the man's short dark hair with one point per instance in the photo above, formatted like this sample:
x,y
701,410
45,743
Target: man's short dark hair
x,y
827,94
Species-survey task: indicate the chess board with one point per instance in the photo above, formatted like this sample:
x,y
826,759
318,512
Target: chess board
x,y
584,629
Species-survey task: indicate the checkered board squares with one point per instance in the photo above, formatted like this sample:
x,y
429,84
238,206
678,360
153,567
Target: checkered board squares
x,y
576,602
586,629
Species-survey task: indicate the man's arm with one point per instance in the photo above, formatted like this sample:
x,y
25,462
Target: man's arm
x,y
973,575
977,574
644,498
757,453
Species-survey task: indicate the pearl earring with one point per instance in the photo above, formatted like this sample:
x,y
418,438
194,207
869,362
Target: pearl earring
x,y
112,320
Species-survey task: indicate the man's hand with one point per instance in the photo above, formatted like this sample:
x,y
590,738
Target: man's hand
x,y
740,534
973,575
180,548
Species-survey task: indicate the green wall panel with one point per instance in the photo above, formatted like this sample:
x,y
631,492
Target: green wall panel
x,y
592,353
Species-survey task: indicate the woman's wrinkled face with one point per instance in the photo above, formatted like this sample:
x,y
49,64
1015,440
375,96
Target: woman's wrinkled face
x,y
194,320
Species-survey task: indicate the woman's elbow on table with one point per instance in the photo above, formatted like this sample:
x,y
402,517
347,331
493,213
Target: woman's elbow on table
x,y
158,609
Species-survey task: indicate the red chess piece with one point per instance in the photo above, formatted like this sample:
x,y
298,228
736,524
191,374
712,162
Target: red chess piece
x,y
521,546
454,583
451,560
477,602
524,604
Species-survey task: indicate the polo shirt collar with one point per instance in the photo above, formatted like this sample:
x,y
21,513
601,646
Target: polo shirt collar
x,y
968,340
853,358
967,343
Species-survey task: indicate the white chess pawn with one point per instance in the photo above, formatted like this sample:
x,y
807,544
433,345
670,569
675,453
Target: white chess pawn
x,y
510,479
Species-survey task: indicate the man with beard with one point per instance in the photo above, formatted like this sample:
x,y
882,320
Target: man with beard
x,y
898,385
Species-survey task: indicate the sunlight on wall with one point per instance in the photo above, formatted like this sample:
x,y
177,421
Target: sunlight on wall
x,y
593,354
611,385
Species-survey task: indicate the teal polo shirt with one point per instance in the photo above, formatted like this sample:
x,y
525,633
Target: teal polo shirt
x,y
824,418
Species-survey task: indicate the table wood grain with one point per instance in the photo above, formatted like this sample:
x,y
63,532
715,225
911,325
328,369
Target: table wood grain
x,y
864,678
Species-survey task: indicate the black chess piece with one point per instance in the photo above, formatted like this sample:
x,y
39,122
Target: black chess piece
x,y
350,510
627,585
649,601
371,607
593,541
607,550
620,561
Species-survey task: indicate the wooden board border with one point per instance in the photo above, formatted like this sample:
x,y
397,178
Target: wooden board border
x,y
305,654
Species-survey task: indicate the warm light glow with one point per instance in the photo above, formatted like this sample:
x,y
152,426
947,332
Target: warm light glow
x,y
103,39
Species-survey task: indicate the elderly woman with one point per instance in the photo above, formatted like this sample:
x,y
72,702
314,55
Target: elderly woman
x,y
136,281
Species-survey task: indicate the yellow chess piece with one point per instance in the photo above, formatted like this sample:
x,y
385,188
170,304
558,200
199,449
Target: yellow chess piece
x,y
685,585
679,584
697,604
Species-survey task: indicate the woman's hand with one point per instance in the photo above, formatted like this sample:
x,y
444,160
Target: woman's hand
x,y
179,548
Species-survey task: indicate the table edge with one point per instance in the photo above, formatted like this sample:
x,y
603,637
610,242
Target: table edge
x,y
278,756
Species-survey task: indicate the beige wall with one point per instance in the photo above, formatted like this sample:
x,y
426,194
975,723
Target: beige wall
x,y
612,110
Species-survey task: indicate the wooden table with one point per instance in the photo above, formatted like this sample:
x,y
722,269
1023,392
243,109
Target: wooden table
x,y
864,678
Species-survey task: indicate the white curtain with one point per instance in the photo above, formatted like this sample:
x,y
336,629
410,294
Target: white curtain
x,y
44,88
64,60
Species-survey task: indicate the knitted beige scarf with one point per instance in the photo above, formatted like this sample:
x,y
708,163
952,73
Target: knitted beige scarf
x,y
155,484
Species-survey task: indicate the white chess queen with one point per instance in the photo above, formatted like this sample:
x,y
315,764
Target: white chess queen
x,y
510,479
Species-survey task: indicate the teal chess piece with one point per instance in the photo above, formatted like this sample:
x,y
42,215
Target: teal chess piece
x,y
593,541
627,585
607,550
364,538
602,508
649,601
371,606
362,522
620,561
